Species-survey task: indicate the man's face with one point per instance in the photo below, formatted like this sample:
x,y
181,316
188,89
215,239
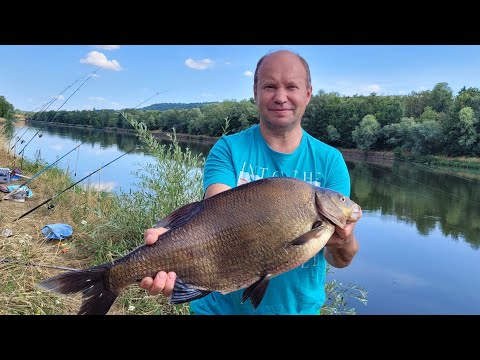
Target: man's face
x,y
281,92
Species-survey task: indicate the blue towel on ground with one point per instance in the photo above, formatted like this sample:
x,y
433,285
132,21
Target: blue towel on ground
x,y
15,177
57,231
13,187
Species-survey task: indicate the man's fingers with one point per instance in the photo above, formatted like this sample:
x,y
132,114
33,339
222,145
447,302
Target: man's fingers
x,y
151,235
158,283
146,283
169,283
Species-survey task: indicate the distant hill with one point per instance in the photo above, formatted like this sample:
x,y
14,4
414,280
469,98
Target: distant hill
x,y
178,106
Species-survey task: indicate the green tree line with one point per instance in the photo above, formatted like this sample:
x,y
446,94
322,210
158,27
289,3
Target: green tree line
x,y
430,122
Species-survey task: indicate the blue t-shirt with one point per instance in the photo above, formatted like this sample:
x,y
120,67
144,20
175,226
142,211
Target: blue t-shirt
x,y
245,157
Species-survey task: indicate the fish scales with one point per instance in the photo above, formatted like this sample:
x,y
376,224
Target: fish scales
x,y
201,252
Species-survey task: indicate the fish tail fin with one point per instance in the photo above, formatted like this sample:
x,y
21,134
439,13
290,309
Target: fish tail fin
x,y
97,297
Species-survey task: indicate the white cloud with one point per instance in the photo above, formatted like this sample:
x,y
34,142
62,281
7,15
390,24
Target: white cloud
x,y
373,88
99,59
107,47
95,75
248,73
199,64
96,98
60,97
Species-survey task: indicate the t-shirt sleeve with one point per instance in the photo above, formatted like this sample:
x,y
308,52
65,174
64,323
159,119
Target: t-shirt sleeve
x,y
219,166
338,177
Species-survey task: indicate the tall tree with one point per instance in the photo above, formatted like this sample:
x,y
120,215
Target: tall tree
x,y
365,135
441,97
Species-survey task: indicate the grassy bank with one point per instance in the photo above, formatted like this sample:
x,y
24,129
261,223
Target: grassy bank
x,y
18,291
440,161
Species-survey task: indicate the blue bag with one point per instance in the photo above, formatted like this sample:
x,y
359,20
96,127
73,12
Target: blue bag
x,y
57,231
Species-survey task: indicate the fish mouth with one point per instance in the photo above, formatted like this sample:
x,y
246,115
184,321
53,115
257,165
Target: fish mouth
x,y
356,213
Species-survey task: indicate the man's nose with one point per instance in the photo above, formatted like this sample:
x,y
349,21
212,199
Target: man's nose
x,y
280,96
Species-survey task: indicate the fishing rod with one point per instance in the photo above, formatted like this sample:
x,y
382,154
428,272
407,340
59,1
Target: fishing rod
x,y
26,127
44,108
40,172
79,181
46,122
71,186
76,147
6,260
147,100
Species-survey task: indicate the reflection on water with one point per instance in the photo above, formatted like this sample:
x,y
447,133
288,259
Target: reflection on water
x,y
417,195
418,236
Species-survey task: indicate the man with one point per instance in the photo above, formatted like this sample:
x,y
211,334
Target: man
x,y
278,146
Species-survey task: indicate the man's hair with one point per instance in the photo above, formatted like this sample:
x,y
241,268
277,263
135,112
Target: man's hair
x,y
304,62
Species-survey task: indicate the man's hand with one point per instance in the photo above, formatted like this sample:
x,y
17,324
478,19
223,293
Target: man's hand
x,y
342,245
340,236
163,282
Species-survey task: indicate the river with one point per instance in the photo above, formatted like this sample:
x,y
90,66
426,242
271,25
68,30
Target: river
x,y
419,235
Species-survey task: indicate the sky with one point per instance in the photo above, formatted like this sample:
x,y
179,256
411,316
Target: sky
x,y
132,76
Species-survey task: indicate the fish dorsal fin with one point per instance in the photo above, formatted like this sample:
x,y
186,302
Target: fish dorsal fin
x,y
180,216
184,293
313,234
256,291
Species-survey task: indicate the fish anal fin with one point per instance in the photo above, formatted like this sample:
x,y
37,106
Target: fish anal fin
x,y
256,291
184,293
180,216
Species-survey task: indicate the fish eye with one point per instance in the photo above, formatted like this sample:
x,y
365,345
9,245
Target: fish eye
x,y
342,199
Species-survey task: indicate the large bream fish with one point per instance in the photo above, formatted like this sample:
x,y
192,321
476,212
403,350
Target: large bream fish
x,y
239,238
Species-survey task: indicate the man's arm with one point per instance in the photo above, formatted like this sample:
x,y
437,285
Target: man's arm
x,y
342,247
214,189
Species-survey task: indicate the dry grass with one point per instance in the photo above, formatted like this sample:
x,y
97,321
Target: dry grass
x,y
18,291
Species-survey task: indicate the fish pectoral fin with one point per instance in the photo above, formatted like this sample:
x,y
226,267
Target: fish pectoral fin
x,y
184,293
256,291
180,216
308,236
